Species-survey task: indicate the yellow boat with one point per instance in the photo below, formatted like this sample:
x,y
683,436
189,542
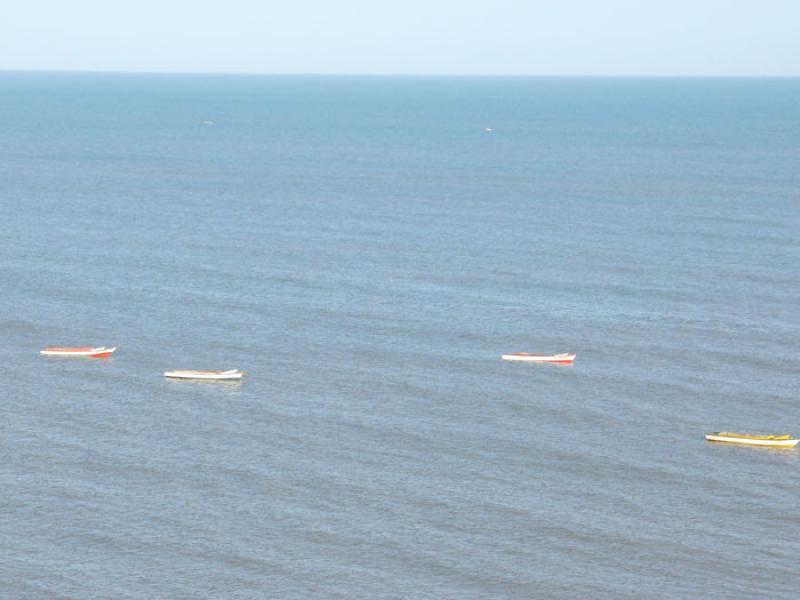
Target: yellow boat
x,y
776,441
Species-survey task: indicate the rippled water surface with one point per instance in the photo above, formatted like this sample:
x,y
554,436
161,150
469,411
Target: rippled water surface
x,y
365,251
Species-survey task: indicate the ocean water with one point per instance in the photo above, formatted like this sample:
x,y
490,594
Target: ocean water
x,y
365,251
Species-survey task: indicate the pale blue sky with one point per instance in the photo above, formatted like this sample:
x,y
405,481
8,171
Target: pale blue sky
x,y
535,37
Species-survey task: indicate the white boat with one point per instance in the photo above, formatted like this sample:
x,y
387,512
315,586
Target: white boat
x,y
84,352
231,374
776,441
563,357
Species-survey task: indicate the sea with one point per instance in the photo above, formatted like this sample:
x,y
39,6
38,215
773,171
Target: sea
x,y
365,249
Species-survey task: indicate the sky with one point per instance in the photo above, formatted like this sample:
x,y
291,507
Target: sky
x,y
458,37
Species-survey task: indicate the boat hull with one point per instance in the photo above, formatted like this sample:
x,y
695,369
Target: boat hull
x,y
752,441
539,358
100,352
232,375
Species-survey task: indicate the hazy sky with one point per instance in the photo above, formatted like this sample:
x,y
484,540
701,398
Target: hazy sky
x,y
537,37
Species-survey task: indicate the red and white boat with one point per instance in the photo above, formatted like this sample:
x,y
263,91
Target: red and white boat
x,y
540,358
84,352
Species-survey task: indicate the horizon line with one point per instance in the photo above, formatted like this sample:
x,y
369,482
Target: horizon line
x,y
421,75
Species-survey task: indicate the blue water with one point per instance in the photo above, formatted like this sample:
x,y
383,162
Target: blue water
x,y
365,251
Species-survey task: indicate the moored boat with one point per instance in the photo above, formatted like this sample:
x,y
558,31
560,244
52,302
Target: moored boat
x,y
83,352
231,374
563,357
776,441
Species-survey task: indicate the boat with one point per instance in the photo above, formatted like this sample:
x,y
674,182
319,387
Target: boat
x,y
563,357
776,441
232,374
84,352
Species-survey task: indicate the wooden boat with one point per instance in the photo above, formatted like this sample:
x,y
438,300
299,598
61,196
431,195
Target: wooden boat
x,y
525,357
85,352
232,374
776,441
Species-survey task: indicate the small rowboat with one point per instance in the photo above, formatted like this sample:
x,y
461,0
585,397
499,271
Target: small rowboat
x,y
776,441
525,357
86,352
208,375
